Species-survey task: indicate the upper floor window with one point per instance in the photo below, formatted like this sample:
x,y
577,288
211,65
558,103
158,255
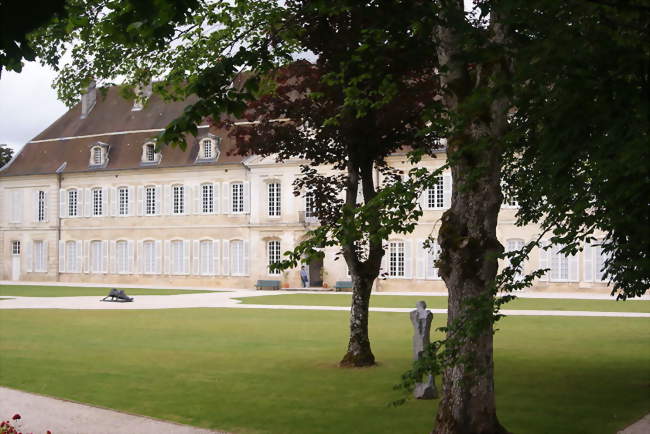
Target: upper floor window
x,y
16,206
508,200
273,255
396,259
98,199
41,206
310,204
237,189
123,200
275,205
438,196
207,198
73,203
97,156
150,197
178,192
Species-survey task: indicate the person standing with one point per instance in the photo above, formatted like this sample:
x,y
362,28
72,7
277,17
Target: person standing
x,y
304,277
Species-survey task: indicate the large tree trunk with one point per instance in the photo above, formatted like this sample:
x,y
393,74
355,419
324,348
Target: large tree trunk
x,y
359,352
469,246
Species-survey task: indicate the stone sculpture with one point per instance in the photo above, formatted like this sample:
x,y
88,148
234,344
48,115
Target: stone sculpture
x,y
421,319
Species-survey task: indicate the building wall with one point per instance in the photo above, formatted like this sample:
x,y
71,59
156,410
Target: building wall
x,y
254,228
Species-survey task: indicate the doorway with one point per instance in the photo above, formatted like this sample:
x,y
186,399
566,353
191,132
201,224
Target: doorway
x,y
315,272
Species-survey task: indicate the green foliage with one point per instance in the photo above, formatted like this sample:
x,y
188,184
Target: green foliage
x,y
5,154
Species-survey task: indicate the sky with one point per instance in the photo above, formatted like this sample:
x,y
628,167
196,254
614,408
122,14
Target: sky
x,y
28,104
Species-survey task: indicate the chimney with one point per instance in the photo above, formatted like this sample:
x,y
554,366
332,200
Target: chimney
x,y
88,99
142,93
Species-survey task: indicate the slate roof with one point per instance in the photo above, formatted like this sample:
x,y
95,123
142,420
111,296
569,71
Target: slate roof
x,y
113,122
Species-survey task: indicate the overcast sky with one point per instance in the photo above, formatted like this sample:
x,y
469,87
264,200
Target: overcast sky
x,y
28,104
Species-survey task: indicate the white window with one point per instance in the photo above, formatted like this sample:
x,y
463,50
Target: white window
x,y
237,189
513,245
97,257
71,264
206,257
594,262
177,257
123,200
98,198
150,200
310,205
149,153
508,200
273,254
563,268
16,206
41,206
207,149
73,203
431,256
15,247
97,157
559,264
178,199
274,199
122,257
396,259
40,256
149,257
237,257
435,195
207,198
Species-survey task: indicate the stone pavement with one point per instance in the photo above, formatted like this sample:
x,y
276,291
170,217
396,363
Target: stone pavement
x,y
41,413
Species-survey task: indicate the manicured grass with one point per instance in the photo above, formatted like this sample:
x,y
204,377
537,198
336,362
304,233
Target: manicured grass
x,y
268,371
440,302
74,291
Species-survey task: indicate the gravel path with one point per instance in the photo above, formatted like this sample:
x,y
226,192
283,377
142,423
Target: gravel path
x,y
41,413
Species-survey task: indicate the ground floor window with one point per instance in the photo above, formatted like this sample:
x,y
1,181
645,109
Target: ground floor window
x,y
559,264
206,257
273,254
432,254
396,259
122,257
513,245
97,257
71,261
148,257
40,256
237,257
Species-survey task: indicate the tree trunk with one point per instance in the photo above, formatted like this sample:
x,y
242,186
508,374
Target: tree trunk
x,y
359,352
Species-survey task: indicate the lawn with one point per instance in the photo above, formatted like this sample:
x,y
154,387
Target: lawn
x,y
440,302
74,291
268,371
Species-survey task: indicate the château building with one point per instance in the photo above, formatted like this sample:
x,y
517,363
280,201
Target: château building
x,y
91,200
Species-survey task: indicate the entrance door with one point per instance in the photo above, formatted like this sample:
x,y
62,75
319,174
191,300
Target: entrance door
x,y
315,267
15,267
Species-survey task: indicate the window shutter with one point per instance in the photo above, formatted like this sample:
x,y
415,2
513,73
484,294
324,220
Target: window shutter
x,y
198,199
186,256
168,205
61,256
246,267
384,260
446,191
130,266
588,262
573,268
420,254
247,196
105,201
158,199
141,201
216,245
187,203
287,197
226,198
140,257
114,202
63,209
216,191
423,198
408,263
79,260
225,263
168,263
46,205
35,205
104,257
88,202
113,256
46,257
132,202
544,259
195,257
29,245
158,248
85,257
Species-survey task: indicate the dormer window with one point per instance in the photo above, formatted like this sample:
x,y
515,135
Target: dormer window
x,y
149,154
98,155
208,149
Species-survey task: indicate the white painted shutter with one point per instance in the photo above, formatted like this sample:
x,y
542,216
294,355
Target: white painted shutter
x,y
46,205
88,202
168,257
132,201
408,263
198,198
287,198
130,268
115,202
140,257
105,201
141,201
446,191
384,261
158,199
81,263
216,191
588,262
35,205
17,206
186,256
245,259
113,256
420,255
187,203
158,245
195,257
225,263
226,198
544,259
168,205
104,257
61,256
247,197
573,268
216,244
29,246
46,256
63,209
